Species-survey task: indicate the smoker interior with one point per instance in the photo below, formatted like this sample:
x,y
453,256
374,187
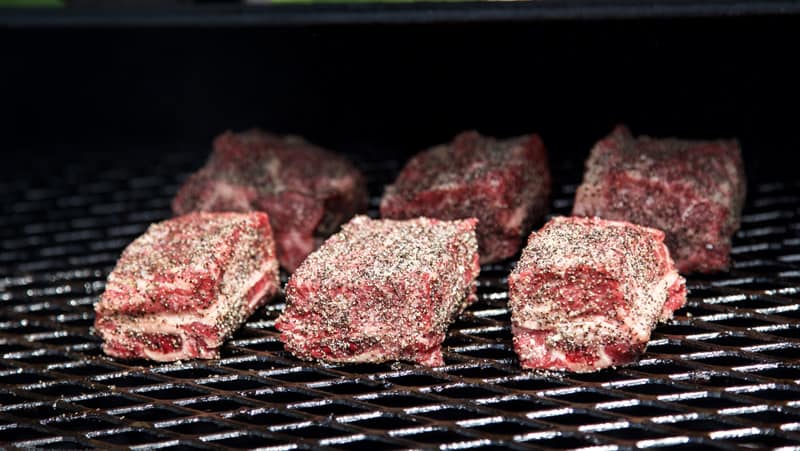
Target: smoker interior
x,y
94,154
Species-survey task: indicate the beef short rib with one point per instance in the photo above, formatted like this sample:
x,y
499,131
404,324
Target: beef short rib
x,y
183,287
587,292
692,190
381,290
306,190
505,184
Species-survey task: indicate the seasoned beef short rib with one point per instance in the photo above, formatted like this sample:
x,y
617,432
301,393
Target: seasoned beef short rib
x,y
381,290
183,287
306,190
587,292
692,190
505,184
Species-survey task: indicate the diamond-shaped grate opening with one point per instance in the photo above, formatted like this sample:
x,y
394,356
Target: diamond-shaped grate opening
x,y
563,442
654,389
644,410
82,424
711,402
16,434
775,394
532,385
725,370
761,441
314,431
151,414
771,417
416,380
197,427
62,389
129,438
215,405
507,428
398,400
301,376
84,369
365,445
708,425
11,398
127,381
635,434
440,436
385,423
235,384
38,412
347,388
517,405
26,377
266,418
451,414
467,392
171,392
281,397
333,408
245,441
586,397
107,402
575,419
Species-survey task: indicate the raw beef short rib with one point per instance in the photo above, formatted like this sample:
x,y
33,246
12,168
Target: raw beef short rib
x,y
692,190
183,287
381,290
306,190
505,184
587,292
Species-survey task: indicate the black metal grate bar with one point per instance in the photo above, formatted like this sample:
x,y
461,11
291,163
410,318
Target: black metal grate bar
x,y
723,374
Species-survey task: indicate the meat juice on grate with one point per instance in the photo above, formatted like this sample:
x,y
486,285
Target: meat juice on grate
x,y
505,184
306,190
692,190
587,292
185,285
381,290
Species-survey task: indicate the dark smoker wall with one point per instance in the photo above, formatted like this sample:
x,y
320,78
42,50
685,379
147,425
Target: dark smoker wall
x,y
386,90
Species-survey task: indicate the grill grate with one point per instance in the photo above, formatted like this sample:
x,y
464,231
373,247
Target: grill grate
x,y
724,373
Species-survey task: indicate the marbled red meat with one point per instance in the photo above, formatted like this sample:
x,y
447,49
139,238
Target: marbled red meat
x,y
692,190
306,190
178,291
587,292
381,290
505,184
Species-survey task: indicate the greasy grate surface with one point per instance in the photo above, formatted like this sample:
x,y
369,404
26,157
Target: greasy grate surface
x,y
724,373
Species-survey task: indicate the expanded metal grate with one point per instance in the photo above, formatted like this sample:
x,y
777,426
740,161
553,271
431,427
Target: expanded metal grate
x,y
723,374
